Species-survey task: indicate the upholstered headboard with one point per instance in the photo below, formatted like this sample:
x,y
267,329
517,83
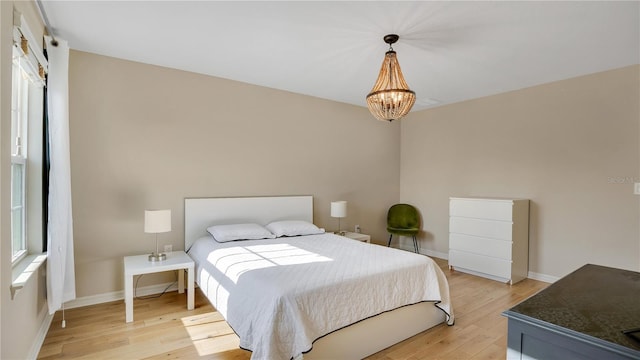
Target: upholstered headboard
x,y
200,213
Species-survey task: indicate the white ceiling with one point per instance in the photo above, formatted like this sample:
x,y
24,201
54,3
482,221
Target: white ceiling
x,y
448,51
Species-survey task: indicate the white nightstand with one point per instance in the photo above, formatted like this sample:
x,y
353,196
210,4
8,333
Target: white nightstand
x,y
140,264
358,236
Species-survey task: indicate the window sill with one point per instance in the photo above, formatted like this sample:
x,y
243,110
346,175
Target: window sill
x,y
22,271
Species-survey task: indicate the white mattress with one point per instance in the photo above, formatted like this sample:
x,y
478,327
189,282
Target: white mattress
x,y
279,295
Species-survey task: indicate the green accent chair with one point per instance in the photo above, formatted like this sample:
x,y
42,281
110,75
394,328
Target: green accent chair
x,y
403,220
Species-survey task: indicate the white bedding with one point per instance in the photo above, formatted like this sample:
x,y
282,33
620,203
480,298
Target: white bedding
x,y
280,295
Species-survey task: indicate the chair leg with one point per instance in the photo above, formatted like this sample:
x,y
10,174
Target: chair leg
x,y
415,244
389,243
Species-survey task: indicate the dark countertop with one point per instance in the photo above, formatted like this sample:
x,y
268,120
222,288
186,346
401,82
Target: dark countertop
x,y
594,300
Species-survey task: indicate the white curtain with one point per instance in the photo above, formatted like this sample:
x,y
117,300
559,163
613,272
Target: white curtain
x,y
61,281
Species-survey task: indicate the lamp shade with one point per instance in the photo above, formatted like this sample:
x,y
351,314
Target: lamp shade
x,y
338,209
157,221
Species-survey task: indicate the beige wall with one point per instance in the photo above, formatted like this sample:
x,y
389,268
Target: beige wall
x,y
572,147
147,137
23,316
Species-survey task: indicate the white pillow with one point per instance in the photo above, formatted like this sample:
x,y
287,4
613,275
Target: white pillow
x,y
293,228
224,233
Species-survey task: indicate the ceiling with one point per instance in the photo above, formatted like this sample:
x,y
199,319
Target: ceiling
x,y
448,51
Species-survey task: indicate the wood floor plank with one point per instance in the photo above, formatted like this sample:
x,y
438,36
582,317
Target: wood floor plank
x,y
164,329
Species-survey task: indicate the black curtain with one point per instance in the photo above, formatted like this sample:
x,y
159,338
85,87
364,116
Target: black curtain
x,y
46,165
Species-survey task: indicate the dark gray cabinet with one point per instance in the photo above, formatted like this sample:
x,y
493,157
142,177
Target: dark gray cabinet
x,y
581,316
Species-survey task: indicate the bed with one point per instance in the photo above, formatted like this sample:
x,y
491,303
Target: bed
x,y
315,296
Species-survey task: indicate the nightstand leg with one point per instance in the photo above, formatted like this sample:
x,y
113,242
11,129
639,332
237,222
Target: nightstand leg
x,y
190,291
128,297
181,281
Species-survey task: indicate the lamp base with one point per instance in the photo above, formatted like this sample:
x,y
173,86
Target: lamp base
x,y
157,257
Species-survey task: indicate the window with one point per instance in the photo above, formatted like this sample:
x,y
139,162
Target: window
x,y
26,115
19,103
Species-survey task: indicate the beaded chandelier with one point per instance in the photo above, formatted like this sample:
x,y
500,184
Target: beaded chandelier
x,y
390,99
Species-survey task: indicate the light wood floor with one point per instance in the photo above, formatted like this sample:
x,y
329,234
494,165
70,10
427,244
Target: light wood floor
x,y
164,329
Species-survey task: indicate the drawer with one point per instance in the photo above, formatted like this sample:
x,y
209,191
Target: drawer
x,y
482,246
482,209
502,230
480,263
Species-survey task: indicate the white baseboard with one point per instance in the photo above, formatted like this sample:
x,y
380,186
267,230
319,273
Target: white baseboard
x,y
430,253
42,333
118,295
433,253
542,277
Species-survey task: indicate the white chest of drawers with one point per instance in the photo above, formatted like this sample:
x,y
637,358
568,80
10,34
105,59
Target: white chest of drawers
x,y
489,237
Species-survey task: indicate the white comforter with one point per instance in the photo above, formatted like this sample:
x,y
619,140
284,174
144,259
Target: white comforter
x,y
279,295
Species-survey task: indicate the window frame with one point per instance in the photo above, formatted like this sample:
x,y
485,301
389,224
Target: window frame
x,y
27,107
19,145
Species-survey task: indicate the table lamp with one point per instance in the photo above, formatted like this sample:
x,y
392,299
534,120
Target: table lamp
x,y
339,210
157,221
